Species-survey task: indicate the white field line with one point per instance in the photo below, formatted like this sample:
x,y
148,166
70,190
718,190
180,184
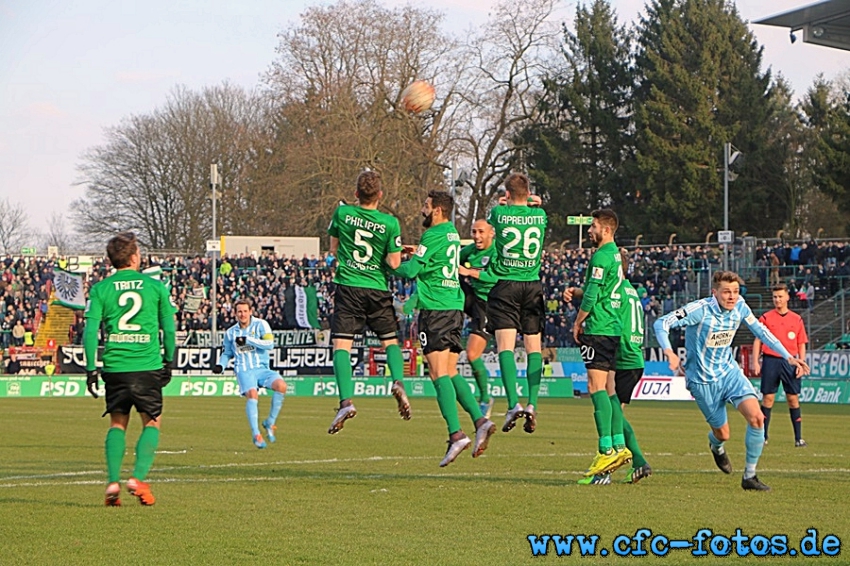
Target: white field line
x,y
28,479
383,476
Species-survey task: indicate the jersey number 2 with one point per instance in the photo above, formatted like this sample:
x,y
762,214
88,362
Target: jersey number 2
x,y
124,323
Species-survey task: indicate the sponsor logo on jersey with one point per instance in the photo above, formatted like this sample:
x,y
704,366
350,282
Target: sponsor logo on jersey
x,y
421,250
720,339
597,273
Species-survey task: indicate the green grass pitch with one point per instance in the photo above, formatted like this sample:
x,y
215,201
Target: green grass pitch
x,y
374,494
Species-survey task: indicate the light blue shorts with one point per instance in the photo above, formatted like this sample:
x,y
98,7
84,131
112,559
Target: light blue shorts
x,y
256,378
711,398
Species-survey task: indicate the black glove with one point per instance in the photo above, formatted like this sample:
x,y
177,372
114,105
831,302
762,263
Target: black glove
x,y
240,340
165,376
218,369
91,382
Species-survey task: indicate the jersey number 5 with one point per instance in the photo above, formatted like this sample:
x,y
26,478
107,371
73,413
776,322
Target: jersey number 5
x,y
360,237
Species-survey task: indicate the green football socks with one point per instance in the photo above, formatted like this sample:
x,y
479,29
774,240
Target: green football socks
x,y
395,360
479,371
535,372
617,426
145,450
602,416
115,444
466,398
508,366
447,400
342,373
638,458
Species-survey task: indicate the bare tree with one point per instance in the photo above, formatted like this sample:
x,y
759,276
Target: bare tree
x,y
57,234
337,83
507,60
152,174
14,226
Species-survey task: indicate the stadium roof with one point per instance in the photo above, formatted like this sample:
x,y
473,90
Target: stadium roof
x,y
824,23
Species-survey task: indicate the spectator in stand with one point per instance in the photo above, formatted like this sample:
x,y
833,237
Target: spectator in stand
x,y
14,365
18,332
565,335
6,332
550,333
774,269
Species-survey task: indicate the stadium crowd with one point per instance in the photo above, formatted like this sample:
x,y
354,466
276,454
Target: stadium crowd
x,y
663,275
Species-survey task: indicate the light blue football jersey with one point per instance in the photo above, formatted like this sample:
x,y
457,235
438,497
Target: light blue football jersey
x,y
255,353
709,330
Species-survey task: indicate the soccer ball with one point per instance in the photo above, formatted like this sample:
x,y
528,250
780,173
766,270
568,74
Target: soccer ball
x,y
418,96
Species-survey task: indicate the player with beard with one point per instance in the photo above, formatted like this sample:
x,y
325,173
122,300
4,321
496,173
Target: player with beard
x,y
475,258
434,265
630,365
597,329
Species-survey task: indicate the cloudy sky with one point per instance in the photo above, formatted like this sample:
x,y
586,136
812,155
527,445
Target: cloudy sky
x,y
70,69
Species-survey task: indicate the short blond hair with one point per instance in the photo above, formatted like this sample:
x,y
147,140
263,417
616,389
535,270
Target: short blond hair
x,y
726,277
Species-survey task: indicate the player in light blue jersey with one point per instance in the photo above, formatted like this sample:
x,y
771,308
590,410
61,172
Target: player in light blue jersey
x,y
248,343
713,377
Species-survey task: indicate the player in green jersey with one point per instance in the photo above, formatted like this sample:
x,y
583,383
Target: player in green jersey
x,y
133,308
515,302
367,244
597,329
630,364
434,265
476,257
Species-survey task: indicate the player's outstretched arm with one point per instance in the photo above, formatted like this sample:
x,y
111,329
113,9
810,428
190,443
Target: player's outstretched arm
x,y
394,259
571,293
757,356
801,367
94,312
672,359
167,324
264,343
762,333
227,354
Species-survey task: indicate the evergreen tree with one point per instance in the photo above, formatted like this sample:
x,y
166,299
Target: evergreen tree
x,y
831,155
700,85
577,153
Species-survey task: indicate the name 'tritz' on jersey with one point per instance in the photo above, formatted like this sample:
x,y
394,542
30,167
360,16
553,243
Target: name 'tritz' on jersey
x,y
709,330
365,238
254,354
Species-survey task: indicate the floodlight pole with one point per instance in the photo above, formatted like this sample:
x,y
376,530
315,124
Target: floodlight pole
x,y
214,311
727,148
